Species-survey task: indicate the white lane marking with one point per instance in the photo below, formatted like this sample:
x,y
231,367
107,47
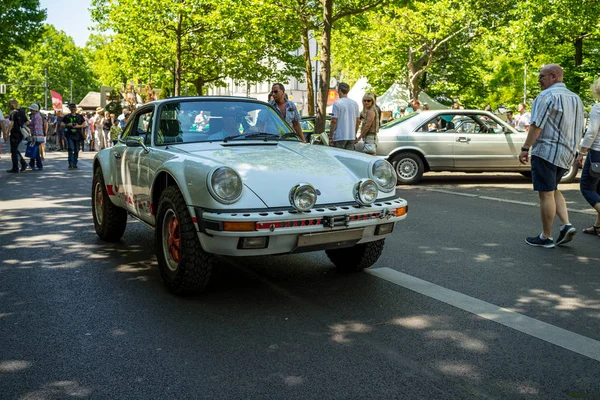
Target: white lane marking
x,y
523,203
530,326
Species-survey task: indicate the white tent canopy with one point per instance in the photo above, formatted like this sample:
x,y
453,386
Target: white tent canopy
x,y
396,96
358,90
399,96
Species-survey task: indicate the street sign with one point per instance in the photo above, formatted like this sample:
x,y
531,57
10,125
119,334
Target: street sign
x,y
2,88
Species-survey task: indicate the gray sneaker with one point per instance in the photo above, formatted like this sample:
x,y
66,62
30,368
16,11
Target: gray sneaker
x,y
566,234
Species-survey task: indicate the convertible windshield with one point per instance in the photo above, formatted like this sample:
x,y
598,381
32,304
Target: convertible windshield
x,y
210,120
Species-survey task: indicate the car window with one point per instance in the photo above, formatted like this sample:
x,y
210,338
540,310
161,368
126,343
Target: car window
x,y
210,120
140,126
440,123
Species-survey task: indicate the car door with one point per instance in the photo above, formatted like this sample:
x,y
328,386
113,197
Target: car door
x,y
435,142
482,144
135,169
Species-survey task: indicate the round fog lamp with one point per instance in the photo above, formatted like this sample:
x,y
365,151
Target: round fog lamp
x,y
366,192
303,197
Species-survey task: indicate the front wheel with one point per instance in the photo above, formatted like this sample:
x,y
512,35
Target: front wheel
x,y
357,258
409,168
571,173
184,266
110,221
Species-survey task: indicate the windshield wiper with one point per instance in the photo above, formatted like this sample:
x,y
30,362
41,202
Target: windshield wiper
x,y
261,135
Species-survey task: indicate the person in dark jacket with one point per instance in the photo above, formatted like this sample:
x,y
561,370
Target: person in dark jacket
x,y
17,119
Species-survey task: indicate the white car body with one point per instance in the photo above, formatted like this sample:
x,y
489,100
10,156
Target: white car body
x,y
137,170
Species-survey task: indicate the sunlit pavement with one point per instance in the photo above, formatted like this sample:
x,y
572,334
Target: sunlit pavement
x,y
457,307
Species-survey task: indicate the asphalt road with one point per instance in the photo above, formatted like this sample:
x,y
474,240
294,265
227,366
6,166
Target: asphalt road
x,y
458,306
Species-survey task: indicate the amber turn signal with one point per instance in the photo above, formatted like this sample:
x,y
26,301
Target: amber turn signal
x,y
400,211
239,226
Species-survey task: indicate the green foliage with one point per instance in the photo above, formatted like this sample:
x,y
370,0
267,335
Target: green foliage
x,y
65,62
194,41
482,64
20,23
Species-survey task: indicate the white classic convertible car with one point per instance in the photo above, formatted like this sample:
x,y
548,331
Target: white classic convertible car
x,y
228,176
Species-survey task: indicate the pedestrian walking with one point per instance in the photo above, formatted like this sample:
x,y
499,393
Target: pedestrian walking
x,y
556,125
590,149
3,129
73,124
98,128
36,127
59,131
345,120
17,120
286,108
523,120
42,141
107,123
370,124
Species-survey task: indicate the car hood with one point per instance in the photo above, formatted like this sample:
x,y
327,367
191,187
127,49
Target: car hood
x,y
271,169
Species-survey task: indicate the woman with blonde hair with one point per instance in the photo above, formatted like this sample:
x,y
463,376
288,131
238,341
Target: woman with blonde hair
x,y
370,124
590,149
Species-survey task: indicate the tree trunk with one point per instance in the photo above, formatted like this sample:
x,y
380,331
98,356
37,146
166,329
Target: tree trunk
x,y
199,85
310,92
325,65
578,79
177,78
578,51
414,73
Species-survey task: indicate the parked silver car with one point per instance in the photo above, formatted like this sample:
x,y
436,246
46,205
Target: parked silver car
x,y
452,140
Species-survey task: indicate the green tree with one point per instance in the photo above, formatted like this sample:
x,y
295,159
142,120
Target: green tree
x,y
65,62
408,44
200,42
20,23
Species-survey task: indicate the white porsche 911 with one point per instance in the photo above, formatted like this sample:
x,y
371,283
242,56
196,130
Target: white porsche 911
x,y
228,176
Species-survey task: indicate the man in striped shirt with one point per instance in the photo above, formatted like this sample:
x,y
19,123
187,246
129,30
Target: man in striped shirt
x,y
557,123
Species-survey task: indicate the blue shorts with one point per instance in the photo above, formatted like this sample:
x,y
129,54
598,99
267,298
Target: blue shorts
x,y
545,175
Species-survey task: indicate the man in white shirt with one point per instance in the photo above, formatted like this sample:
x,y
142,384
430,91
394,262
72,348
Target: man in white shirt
x,y
523,119
345,120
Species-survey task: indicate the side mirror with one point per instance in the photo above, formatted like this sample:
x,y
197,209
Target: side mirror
x,y
506,130
137,142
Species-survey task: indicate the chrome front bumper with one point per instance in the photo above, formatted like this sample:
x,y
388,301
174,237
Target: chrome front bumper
x,y
290,231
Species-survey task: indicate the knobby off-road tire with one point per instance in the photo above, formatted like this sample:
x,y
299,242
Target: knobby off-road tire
x,y
357,258
184,266
110,221
409,168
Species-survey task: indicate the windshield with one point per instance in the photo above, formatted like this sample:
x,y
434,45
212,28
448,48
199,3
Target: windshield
x,y
210,120
398,121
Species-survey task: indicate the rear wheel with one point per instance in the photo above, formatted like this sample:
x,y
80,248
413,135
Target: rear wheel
x,y
356,258
110,221
184,266
409,168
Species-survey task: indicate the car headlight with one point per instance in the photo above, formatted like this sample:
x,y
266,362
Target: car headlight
x,y
303,197
366,192
225,185
383,174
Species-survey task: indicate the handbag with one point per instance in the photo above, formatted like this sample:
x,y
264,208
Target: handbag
x,y
32,150
25,132
595,169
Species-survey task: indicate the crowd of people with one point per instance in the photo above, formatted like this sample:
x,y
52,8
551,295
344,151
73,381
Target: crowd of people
x,y
71,132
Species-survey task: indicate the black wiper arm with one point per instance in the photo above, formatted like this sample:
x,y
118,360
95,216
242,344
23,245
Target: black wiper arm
x,y
262,135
